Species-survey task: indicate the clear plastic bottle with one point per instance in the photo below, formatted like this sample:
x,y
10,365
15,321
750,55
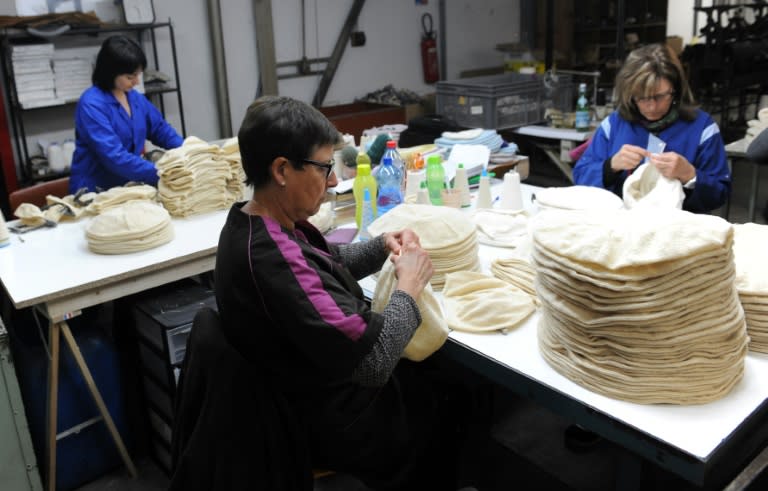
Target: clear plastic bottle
x,y
435,179
397,160
363,180
582,109
388,180
367,216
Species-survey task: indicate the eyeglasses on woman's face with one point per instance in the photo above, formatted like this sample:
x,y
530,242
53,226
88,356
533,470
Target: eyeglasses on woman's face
x,y
656,99
326,166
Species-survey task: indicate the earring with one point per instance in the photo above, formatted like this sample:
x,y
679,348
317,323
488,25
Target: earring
x,y
282,183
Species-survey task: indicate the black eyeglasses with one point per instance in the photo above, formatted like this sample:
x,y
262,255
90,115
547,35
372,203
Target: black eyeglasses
x,y
658,98
327,166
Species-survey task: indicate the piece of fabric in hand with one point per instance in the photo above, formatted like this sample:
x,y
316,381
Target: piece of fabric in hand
x,y
647,187
433,330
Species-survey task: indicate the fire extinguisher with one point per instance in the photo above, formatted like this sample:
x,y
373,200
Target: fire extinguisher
x,y
429,51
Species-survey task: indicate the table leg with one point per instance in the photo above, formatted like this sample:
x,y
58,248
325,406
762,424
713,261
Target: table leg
x,y
53,404
753,192
97,398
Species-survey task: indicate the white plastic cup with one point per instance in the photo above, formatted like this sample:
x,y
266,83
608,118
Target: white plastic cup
x,y
511,195
413,182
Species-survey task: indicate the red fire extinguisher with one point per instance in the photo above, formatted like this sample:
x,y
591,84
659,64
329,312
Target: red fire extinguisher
x,y
429,51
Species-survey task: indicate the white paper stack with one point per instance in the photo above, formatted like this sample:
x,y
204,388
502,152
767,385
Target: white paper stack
x,y
33,74
72,76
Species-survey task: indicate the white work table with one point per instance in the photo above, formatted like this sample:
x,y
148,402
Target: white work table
x,y
52,270
555,143
701,443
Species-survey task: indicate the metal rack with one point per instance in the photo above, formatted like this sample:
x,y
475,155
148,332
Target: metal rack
x,y
11,37
728,72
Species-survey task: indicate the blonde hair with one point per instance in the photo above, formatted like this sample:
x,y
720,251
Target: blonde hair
x,y
642,71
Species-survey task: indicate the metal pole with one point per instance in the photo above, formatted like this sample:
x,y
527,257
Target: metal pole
x,y
442,39
220,68
338,51
265,46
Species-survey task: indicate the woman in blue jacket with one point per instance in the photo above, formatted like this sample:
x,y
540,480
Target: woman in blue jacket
x,y
653,98
112,122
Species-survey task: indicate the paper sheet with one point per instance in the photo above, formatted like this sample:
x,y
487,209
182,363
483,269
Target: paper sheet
x,y
474,157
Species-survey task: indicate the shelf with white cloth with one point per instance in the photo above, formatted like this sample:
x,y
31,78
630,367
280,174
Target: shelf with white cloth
x,y
12,39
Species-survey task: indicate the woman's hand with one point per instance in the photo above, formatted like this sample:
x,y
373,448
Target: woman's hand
x,y
673,166
413,269
395,241
628,158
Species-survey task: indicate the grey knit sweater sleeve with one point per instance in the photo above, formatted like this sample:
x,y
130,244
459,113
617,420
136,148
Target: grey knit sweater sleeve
x,y
363,258
401,318
757,151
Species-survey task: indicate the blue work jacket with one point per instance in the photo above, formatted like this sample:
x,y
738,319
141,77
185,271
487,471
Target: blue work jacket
x,y
109,143
699,141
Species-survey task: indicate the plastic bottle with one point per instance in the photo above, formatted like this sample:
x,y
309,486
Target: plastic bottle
x,y
435,179
388,181
367,216
397,161
363,180
69,149
484,191
56,159
582,109
461,182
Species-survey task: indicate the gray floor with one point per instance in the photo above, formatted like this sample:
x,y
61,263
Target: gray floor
x,y
523,442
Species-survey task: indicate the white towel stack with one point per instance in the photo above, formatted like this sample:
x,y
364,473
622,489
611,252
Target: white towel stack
x,y
72,76
640,305
33,74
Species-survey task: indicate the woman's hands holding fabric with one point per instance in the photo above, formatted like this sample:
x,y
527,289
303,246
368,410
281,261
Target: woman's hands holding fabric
x,y
673,166
628,158
395,241
413,269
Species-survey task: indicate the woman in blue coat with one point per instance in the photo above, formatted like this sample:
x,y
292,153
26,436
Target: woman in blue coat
x,y
112,122
653,98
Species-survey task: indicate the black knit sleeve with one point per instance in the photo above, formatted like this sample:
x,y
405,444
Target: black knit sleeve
x,y
401,318
363,258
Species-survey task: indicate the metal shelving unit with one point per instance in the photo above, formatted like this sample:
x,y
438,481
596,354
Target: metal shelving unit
x,y
12,37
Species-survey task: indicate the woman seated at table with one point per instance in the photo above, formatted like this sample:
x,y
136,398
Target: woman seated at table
x,y
654,99
291,305
113,122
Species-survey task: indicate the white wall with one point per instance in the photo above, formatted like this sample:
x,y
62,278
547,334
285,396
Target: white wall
x,y
391,54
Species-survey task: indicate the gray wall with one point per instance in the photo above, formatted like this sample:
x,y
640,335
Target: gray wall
x,y
390,56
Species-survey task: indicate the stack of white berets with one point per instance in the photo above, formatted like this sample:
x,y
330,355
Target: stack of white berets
x,y
230,153
194,179
750,244
640,305
577,198
445,233
129,227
